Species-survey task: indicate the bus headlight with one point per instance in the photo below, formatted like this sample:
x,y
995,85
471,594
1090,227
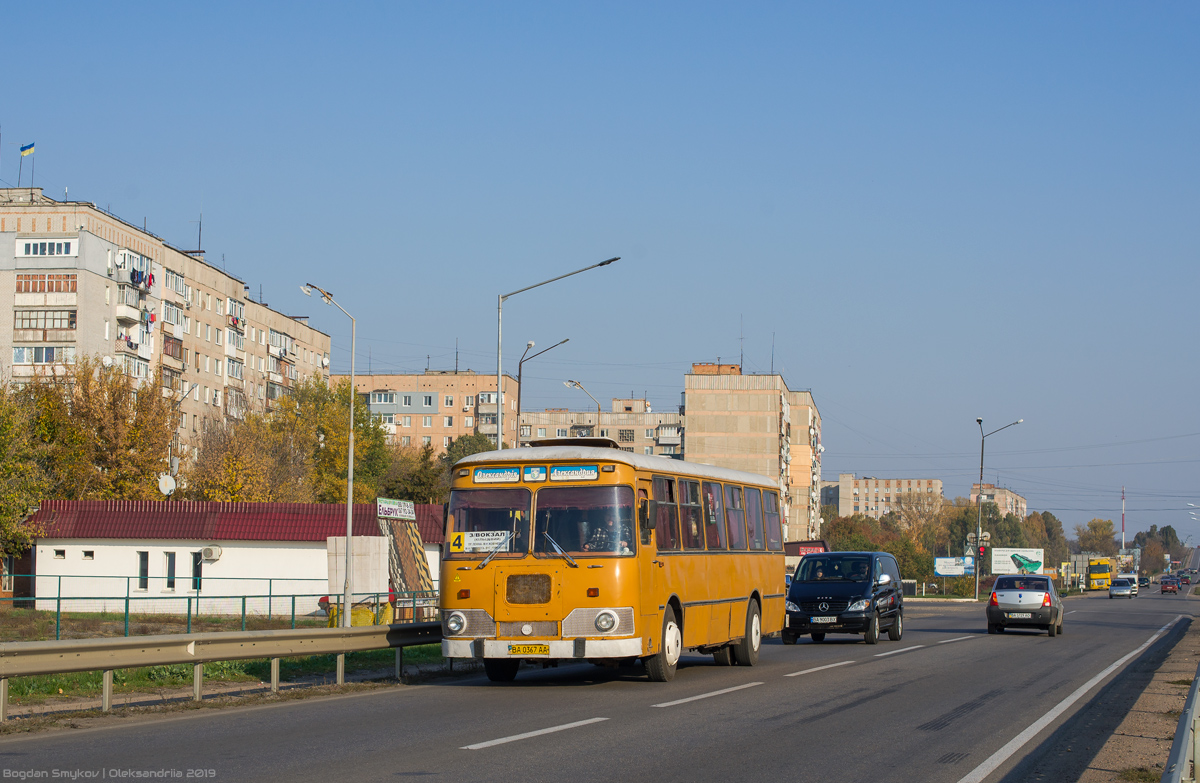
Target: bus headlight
x,y
456,622
606,621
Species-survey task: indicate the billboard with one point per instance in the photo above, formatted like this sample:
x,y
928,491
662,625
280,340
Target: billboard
x,y
1017,561
954,566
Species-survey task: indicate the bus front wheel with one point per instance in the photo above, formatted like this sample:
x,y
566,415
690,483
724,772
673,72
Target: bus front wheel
x,y
501,669
661,667
745,652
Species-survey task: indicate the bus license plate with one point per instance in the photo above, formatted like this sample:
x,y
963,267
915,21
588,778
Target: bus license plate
x,y
529,649
1019,615
824,620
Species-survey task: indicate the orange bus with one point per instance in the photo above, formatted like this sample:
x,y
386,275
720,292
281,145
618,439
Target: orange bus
x,y
577,550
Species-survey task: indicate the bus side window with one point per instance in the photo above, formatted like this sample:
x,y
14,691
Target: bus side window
x,y
691,523
735,517
771,517
667,524
714,516
754,521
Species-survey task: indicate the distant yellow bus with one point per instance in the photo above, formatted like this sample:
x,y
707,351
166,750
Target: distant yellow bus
x,y
578,550
1099,573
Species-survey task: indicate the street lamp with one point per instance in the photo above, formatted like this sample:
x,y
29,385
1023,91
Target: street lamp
x,y
578,385
327,298
979,498
499,342
520,366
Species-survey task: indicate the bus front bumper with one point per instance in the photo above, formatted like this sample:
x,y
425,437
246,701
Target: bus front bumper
x,y
556,648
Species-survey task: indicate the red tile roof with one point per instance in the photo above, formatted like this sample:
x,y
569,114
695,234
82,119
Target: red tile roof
x,y
194,520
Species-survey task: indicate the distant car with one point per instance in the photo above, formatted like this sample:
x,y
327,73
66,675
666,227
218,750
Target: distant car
x,y
1169,586
1185,580
1024,602
1143,581
1120,588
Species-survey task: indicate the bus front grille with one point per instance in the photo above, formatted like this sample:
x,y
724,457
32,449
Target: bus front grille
x,y
537,628
478,623
528,589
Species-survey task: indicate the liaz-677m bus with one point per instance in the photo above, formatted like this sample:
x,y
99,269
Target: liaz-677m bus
x,y
577,550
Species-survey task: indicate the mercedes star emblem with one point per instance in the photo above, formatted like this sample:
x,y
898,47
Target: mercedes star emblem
x,y
824,607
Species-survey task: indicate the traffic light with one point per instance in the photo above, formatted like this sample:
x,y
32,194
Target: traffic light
x,y
982,550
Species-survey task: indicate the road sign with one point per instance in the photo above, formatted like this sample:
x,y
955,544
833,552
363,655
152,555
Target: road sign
x,y
987,536
970,538
395,509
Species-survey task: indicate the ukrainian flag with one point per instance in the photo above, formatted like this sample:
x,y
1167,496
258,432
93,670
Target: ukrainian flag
x,y
27,150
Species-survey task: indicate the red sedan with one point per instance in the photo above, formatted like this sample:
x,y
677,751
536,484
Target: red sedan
x,y
1170,586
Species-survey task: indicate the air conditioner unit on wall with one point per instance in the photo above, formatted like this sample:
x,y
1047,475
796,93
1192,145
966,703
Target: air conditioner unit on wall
x,y
211,553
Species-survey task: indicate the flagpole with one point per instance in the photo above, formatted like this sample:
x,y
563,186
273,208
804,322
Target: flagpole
x,y
20,169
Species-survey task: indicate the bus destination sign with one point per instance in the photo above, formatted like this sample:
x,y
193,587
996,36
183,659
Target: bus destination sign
x,y
574,473
478,541
497,475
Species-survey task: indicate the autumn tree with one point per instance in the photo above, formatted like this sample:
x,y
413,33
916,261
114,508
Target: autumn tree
x,y
414,474
1097,537
21,477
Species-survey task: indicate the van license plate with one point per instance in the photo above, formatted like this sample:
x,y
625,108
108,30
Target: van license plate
x,y
529,649
1019,615
824,620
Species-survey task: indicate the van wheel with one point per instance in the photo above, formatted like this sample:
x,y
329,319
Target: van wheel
x,y
661,667
787,639
897,629
818,637
872,634
724,656
1051,630
992,628
501,669
745,652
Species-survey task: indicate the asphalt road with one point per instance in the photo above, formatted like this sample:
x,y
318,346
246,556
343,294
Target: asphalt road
x,y
934,706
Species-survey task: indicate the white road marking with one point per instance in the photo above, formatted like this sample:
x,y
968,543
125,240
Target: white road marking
x,y
817,669
707,695
528,734
1073,611
955,639
993,761
894,652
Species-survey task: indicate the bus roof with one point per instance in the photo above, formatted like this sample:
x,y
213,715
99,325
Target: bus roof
x,y
592,453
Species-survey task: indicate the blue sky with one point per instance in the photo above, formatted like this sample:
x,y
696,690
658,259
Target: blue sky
x,y
937,211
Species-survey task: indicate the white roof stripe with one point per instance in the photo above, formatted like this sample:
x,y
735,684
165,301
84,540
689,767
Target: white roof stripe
x,y
593,454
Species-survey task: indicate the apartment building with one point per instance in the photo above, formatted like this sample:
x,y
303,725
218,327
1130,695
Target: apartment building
x,y
631,423
757,424
1008,501
436,406
874,497
87,283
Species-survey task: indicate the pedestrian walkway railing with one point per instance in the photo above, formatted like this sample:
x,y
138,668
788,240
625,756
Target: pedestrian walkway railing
x,y
1185,750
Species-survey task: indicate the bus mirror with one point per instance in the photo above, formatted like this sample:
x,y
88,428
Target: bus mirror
x,y
647,513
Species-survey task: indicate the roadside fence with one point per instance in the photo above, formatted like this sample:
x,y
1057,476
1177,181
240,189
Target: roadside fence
x,y
1185,750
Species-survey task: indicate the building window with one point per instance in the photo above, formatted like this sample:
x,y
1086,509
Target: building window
x,y
143,570
406,421
388,398
89,554
468,421
625,436
60,554
44,319
649,450
541,432
426,421
525,428
426,440
48,354
234,368
669,450
604,433
446,442
169,569
47,284
561,432
649,433
407,400
405,441
469,400
449,401
197,568
428,400
8,564
46,248
386,418
449,421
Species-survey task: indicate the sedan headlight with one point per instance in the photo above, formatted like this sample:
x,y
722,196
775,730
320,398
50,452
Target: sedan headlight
x,y
455,623
791,607
860,606
606,621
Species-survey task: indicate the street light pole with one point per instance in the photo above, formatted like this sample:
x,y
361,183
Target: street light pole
x,y
979,499
520,366
499,343
578,385
327,297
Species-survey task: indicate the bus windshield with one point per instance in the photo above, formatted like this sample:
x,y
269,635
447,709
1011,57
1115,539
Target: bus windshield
x,y
834,568
585,521
482,521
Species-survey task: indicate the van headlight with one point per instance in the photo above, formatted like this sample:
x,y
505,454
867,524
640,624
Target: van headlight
x,y
456,622
606,621
791,607
860,606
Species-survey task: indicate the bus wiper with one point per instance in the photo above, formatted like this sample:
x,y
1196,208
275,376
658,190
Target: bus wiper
x,y
493,553
559,549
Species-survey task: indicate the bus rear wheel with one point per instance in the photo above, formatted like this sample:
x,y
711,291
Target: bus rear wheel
x,y
745,652
724,656
501,669
661,666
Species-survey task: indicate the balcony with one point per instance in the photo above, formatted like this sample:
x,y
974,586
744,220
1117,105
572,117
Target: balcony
x,y
127,314
666,439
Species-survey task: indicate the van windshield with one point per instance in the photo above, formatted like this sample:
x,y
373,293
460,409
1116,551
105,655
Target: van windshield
x,y
834,568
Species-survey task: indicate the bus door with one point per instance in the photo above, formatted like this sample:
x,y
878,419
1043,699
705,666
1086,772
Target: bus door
x,y
650,567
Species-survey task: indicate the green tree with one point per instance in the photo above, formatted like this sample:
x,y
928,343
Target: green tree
x,y
1097,537
21,477
416,475
465,446
829,512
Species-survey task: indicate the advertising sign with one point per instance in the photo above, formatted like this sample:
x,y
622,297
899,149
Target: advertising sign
x,y
1017,561
478,541
954,566
395,509
497,475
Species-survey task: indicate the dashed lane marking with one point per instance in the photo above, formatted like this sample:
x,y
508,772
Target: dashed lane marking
x,y
708,695
955,639
818,668
528,734
895,652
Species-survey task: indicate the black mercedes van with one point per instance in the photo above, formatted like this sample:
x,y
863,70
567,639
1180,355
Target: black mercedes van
x,y
845,592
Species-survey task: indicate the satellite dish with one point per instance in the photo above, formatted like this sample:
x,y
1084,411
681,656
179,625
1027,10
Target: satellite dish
x,y
325,361
106,361
166,484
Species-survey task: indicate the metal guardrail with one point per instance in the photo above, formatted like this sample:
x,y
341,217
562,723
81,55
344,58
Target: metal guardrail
x,y
18,659
1185,750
